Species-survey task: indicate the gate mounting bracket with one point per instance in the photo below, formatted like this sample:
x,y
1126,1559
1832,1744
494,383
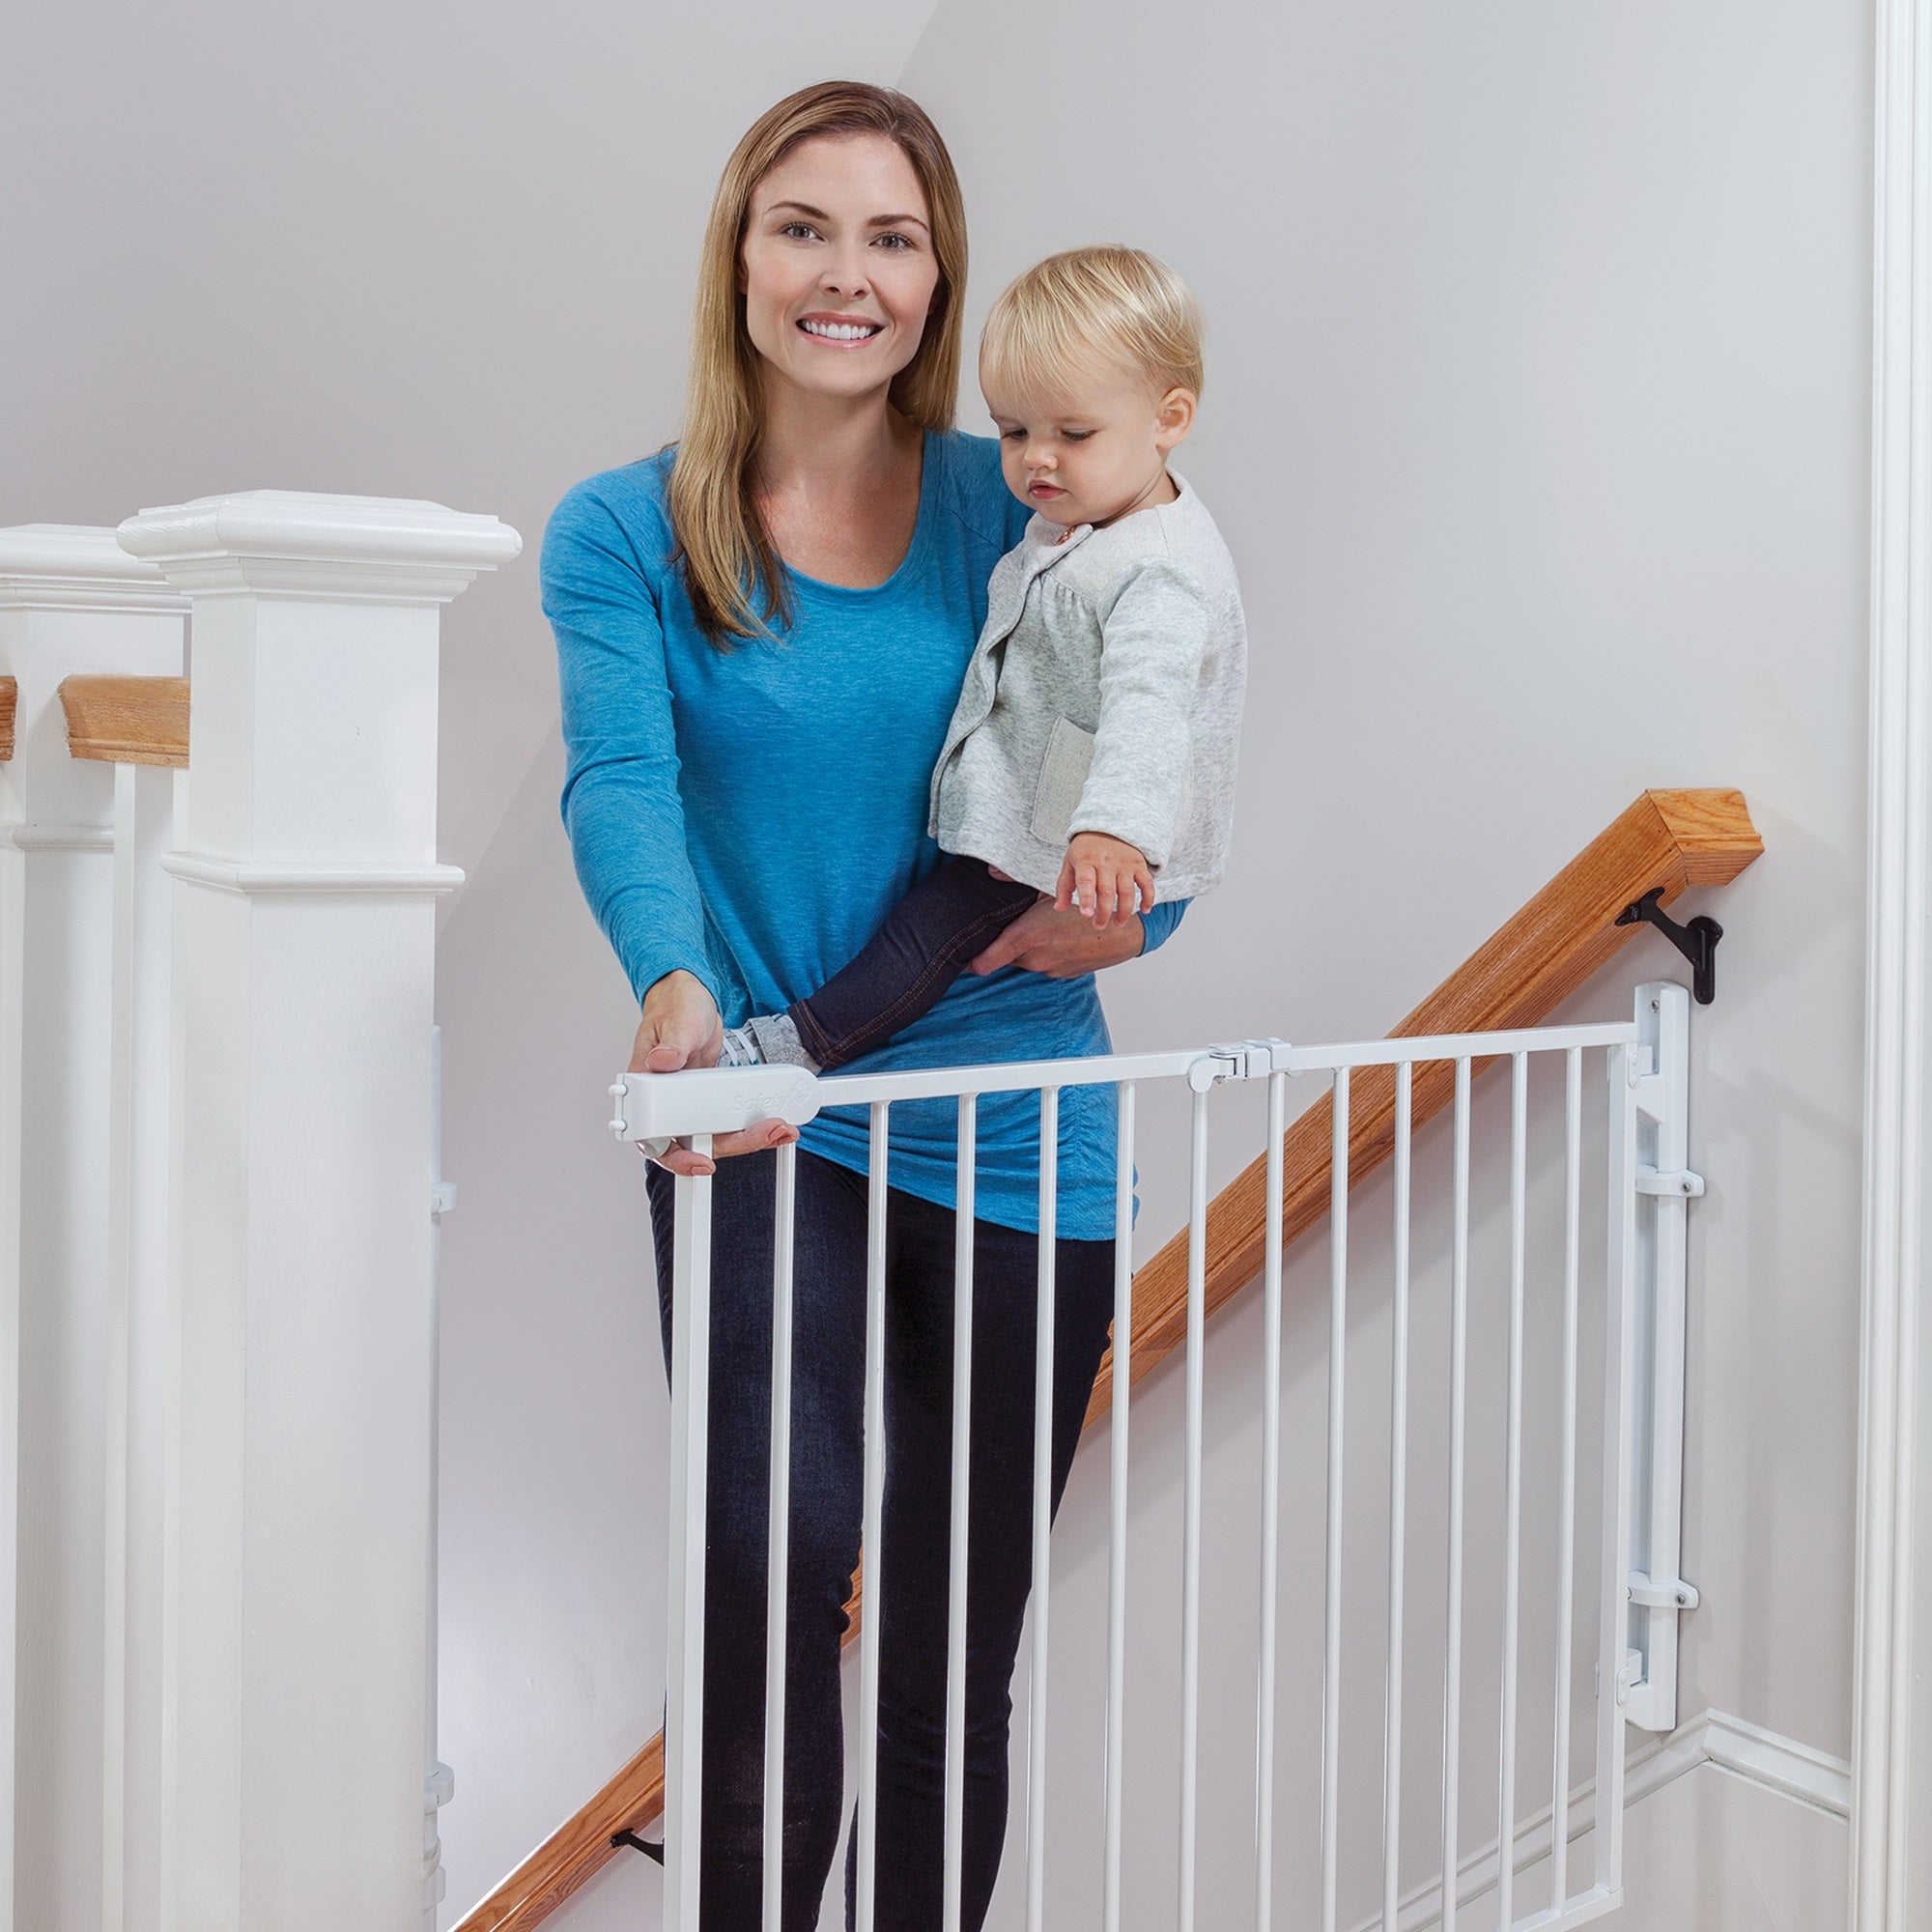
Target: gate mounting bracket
x,y
1698,940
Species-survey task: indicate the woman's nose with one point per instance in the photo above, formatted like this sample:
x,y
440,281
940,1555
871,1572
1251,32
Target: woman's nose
x,y
845,277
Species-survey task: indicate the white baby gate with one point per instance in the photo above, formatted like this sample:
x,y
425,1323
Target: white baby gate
x,y
1640,1165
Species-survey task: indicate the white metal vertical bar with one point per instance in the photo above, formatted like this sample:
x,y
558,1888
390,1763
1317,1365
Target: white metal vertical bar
x,y
1664,1021
1265,1689
690,1406
1619,1347
872,1533
1331,1646
962,1450
1042,1509
1458,1360
1190,1534
778,1529
1513,1496
1404,1075
1116,1501
1566,1534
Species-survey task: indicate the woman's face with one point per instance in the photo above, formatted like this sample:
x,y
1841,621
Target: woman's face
x,y
837,269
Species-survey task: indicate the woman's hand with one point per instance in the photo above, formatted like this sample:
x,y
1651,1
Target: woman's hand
x,y
680,1028
1061,945
1102,874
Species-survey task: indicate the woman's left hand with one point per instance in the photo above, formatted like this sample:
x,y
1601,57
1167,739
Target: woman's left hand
x,y
1061,945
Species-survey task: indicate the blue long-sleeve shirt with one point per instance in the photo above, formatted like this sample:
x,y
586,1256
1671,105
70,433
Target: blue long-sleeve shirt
x,y
752,814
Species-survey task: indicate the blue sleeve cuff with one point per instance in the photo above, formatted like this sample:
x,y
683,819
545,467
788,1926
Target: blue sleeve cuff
x,y
1158,921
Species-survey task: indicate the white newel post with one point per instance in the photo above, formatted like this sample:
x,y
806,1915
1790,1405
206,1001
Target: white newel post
x,y
71,602
302,984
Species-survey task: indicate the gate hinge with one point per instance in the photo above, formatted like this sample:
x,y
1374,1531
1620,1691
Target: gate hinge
x,y
1661,1592
1675,1182
441,1197
1630,1676
1238,1060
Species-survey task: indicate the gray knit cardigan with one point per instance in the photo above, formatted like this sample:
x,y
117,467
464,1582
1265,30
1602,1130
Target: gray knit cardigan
x,y
1104,696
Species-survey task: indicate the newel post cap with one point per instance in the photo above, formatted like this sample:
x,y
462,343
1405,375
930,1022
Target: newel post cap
x,y
77,567
292,543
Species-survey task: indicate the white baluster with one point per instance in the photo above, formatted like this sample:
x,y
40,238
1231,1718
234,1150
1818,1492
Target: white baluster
x,y
303,971
71,602
438,1780
143,1362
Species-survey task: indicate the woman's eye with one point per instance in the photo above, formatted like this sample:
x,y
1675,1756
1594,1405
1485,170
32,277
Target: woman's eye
x,y
799,231
896,242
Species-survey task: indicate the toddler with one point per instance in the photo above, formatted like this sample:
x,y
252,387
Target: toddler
x,y
1091,755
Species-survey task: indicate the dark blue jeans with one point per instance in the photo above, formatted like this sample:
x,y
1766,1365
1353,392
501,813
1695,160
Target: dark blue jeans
x,y
955,911
827,1470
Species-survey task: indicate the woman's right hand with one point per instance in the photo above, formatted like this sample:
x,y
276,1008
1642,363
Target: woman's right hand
x,y
680,1028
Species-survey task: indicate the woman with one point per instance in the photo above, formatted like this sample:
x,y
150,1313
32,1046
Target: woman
x,y
762,633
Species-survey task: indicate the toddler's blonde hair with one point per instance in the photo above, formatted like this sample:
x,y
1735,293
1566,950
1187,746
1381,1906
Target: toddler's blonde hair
x,y
1119,306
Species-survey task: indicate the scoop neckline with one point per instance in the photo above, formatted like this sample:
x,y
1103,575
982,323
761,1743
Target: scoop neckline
x,y
921,521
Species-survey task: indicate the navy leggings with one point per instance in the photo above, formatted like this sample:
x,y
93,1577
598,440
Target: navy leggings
x,y
903,970
827,1474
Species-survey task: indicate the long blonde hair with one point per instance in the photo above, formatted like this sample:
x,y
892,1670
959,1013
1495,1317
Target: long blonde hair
x,y
732,574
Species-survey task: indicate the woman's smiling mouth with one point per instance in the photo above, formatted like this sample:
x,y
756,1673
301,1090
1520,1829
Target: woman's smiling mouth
x,y
840,328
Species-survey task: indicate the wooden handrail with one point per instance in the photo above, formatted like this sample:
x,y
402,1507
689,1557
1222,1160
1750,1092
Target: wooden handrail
x,y
127,721
1672,840
1667,839
10,696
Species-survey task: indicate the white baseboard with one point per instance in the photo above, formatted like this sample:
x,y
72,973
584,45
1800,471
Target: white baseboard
x,y
1778,1764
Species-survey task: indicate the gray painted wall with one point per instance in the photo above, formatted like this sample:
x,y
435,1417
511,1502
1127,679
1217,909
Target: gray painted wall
x,y
1537,420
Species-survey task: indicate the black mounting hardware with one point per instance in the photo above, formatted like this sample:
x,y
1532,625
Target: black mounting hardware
x,y
638,1844
1697,941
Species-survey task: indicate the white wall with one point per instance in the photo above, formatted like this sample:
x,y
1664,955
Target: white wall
x,y
1537,420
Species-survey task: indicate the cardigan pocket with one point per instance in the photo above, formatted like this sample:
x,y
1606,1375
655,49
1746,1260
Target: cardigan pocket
x,y
1063,777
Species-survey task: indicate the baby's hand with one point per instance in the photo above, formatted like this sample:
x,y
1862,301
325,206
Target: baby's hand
x,y
1104,874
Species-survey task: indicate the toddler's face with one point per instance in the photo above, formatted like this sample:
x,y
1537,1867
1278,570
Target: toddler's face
x,y
1093,452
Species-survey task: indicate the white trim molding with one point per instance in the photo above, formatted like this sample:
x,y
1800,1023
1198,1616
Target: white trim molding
x,y
313,881
1894,1511
58,838
77,567
1775,1763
